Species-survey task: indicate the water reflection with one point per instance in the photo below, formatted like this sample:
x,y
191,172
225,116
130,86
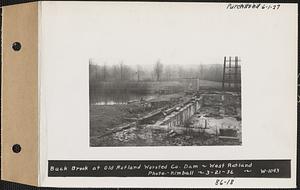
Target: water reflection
x,y
112,98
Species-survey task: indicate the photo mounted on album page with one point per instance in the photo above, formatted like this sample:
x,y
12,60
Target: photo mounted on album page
x,y
167,94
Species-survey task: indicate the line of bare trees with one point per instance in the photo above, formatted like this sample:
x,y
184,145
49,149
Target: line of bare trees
x,y
160,72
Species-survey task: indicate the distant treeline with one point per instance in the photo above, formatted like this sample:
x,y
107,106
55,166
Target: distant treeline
x,y
160,72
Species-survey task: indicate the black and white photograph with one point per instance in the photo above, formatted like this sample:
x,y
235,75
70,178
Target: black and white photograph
x,y
165,104
167,94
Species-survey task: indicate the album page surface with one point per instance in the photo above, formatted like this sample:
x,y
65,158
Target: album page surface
x,y
166,95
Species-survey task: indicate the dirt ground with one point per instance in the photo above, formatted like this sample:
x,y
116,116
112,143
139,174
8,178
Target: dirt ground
x,y
104,118
218,112
146,136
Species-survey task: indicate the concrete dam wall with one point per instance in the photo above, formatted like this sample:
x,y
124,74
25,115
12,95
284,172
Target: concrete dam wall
x,y
182,114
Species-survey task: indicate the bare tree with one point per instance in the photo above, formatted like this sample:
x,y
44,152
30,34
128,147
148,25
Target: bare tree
x,y
115,72
121,70
139,72
104,72
158,70
180,71
127,72
200,71
168,72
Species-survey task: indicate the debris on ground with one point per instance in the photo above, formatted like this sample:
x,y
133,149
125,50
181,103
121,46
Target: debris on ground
x,y
217,122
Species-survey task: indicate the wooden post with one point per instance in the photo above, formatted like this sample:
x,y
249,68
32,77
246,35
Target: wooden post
x,y
223,82
121,70
96,66
236,72
229,73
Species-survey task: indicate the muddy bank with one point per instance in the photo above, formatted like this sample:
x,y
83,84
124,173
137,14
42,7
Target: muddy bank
x,y
147,136
104,118
216,122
